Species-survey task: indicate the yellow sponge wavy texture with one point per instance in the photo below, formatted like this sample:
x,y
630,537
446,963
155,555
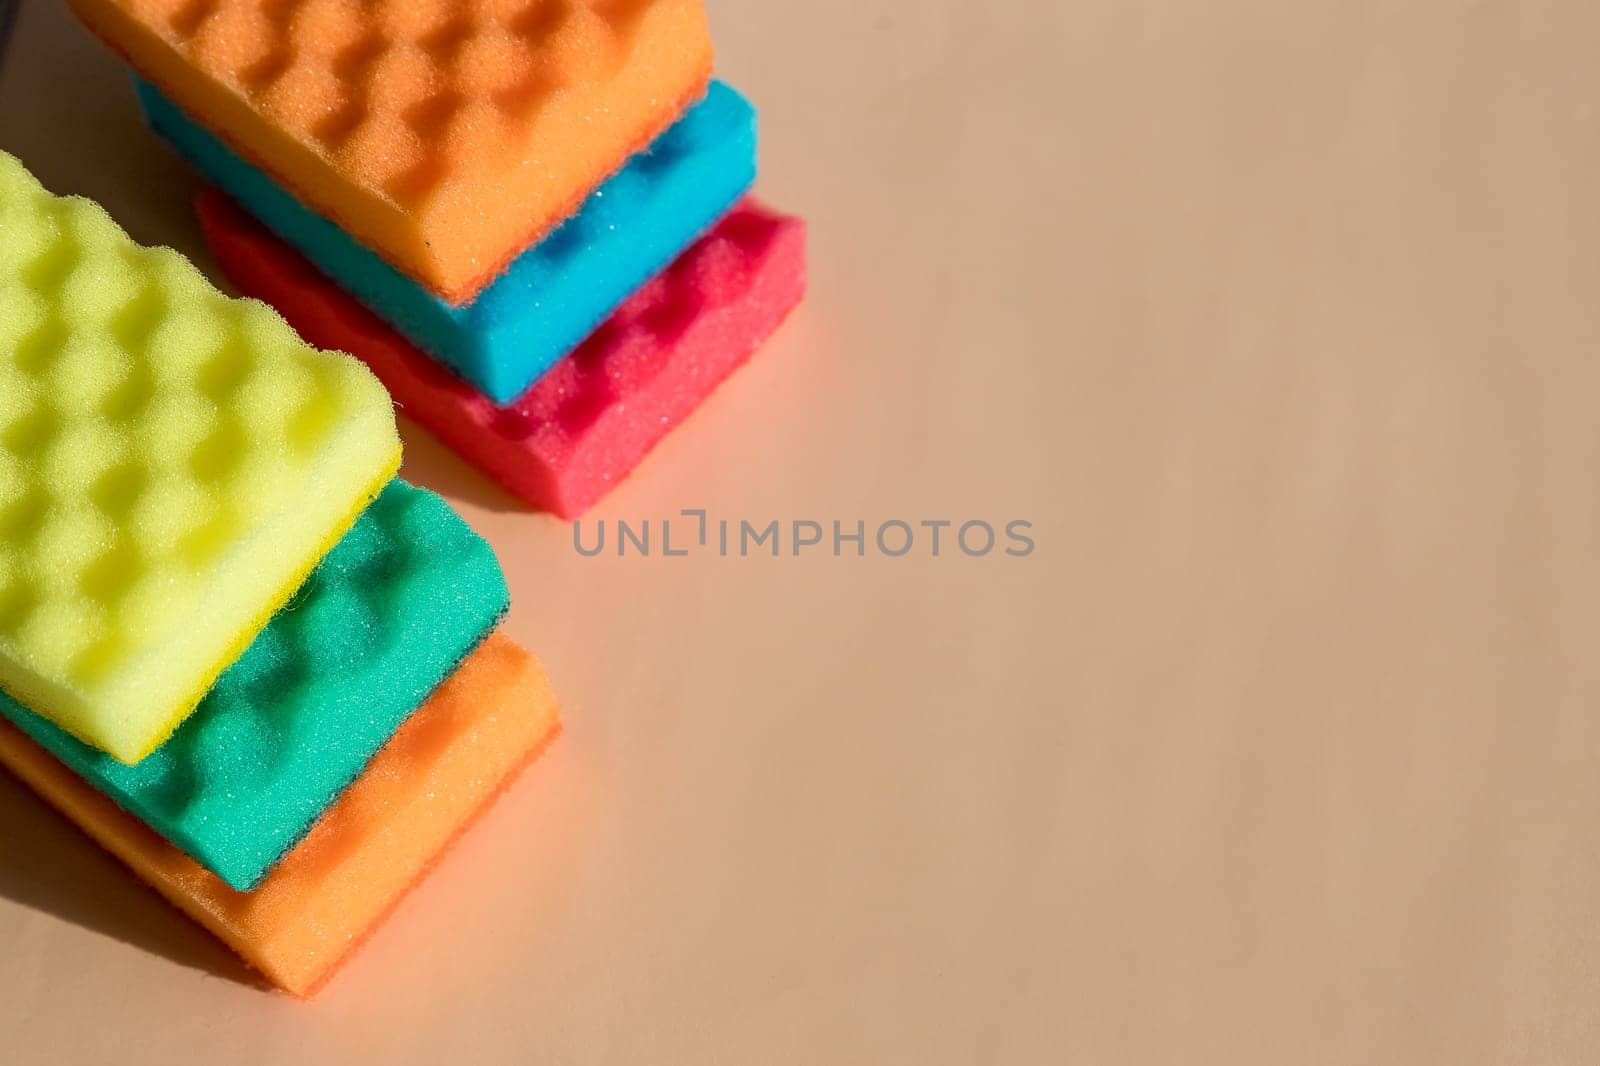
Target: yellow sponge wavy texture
x,y
172,464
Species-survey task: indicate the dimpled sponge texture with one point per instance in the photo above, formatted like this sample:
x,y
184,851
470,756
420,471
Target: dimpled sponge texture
x,y
386,617
443,766
555,293
172,465
447,135
568,440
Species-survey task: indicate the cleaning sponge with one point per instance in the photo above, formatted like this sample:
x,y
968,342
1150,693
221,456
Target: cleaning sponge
x,y
386,617
446,136
172,464
555,293
568,440
338,884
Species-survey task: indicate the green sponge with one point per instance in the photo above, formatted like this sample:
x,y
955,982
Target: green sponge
x,y
381,622
172,464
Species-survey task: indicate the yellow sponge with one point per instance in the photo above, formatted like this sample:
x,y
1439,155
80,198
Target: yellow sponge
x,y
172,464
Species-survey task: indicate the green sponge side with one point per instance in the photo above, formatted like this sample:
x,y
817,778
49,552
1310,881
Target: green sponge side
x,y
407,594
172,464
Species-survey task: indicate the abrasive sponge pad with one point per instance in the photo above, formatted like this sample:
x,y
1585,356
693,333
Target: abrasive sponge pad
x,y
172,464
447,136
583,426
386,831
402,598
555,293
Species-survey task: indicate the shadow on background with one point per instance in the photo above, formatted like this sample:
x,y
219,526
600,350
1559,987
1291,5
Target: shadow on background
x,y
90,141
48,865
433,466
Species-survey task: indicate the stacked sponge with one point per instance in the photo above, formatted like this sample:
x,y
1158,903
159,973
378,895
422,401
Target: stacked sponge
x,y
233,646
478,186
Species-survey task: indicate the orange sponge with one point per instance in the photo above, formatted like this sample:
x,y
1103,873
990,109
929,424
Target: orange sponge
x,y
447,135
454,754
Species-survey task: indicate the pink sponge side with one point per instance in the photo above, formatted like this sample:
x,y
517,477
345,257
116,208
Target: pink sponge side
x,y
581,428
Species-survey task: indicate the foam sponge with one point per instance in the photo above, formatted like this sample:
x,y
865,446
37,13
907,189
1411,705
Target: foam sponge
x,y
172,464
337,885
385,618
555,293
568,440
447,136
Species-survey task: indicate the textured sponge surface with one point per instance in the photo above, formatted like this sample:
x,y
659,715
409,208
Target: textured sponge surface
x,y
172,463
554,294
403,597
447,135
385,832
569,439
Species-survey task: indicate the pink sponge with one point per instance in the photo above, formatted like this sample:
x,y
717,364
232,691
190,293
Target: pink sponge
x,y
577,431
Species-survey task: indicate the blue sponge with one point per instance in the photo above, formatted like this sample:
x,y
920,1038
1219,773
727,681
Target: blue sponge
x,y
554,294
407,594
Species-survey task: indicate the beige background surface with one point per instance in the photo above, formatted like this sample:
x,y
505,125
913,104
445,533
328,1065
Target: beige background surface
x,y
1279,321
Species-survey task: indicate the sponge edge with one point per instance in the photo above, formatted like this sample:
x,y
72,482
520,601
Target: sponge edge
x,y
555,293
454,755
172,465
580,429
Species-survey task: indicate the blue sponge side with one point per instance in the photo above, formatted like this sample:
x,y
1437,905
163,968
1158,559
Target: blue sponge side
x,y
554,294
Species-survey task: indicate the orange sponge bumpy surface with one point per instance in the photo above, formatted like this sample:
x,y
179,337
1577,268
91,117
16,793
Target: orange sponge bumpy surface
x,y
447,135
453,756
